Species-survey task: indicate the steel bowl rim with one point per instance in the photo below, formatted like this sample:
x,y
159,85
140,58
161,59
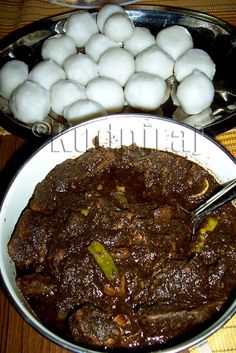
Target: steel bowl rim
x,y
40,328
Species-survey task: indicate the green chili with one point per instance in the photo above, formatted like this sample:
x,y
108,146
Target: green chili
x,y
104,260
208,226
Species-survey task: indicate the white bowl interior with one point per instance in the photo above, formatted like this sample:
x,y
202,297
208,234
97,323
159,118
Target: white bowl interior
x,y
113,131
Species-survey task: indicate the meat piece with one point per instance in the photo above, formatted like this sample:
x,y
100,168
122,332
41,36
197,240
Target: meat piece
x,y
137,286
94,326
81,280
67,176
28,245
183,282
98,328
35,285
165,324
173,231
163,215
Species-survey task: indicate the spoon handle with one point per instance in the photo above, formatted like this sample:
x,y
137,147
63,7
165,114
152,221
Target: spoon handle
x,y
228,193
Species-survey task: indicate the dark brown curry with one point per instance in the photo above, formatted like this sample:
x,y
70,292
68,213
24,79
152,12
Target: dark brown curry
x,y
105,254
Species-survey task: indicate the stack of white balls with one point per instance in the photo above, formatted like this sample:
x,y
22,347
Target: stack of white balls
x,y
101,64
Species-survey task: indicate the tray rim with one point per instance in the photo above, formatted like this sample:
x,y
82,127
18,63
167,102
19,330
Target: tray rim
x,y
192,13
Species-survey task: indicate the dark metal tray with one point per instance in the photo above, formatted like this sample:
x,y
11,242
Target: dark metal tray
x,y
209,33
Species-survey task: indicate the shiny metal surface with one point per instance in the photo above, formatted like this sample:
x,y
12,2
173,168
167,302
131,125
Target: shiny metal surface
x,y
226,194
210,34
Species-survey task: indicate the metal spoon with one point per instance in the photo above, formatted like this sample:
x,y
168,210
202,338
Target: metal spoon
x,y
226,194
226,95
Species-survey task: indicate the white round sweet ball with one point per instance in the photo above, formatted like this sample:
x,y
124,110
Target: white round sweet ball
x,y
65,92
105,12
98,44
82,110
30,102
141,39
116,63
145,91
194,59
81,26
174,40
81,68
118,27
155,61
58,48
46,73
12,74
195,93
106,92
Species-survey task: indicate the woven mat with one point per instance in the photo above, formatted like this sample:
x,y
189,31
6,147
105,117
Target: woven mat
x,y
17,13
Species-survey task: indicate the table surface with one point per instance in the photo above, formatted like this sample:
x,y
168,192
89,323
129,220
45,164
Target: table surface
x,y
16,336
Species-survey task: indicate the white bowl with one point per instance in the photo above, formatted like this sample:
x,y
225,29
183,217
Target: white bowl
x,y
112,131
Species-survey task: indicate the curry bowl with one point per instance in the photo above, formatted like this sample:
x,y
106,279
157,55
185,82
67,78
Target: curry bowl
x,y
115,131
